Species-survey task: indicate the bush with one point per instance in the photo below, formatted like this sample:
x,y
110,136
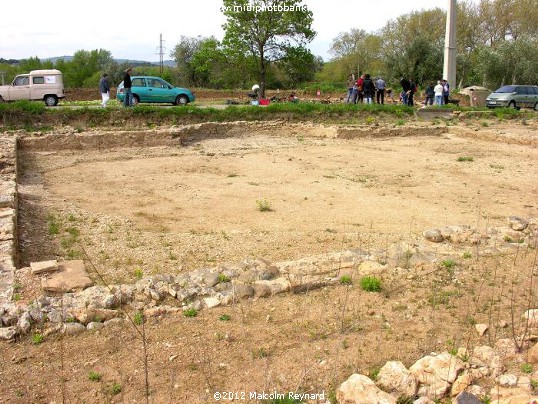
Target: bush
x,y
370,284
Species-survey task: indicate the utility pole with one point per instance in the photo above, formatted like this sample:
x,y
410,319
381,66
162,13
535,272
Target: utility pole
x,y
161,53
449,66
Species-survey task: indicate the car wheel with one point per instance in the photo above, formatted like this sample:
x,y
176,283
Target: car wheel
x,y
182,100
512,104
136,100
51,101
536,106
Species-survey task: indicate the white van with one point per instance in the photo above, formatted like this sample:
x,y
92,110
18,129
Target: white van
x,y
46,85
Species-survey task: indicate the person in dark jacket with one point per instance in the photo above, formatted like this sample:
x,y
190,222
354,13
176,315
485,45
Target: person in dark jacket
x,y
411,92
405,89
104,88
446,91
429,94
128,100
368,88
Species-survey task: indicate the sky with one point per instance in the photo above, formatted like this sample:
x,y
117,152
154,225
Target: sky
x,y
132,29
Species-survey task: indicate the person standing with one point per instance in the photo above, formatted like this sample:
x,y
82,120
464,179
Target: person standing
x,y
360,88
446,91
104,88
380,87
350,84
128,100
411,92
368,89
354,93
438,91
405,89
429,95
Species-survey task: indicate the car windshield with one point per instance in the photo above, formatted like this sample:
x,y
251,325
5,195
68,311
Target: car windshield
x,y
506,89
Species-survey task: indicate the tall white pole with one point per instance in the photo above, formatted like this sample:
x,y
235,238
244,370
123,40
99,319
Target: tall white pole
x,y
449,67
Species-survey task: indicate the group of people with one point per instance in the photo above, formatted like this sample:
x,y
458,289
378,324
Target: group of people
x,y
104,88
365,89
409,88
438,93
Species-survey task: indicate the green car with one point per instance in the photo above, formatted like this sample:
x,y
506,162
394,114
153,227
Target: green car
x,y
514,96
155,90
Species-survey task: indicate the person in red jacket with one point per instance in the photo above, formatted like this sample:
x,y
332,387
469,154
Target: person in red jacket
x,y
360,84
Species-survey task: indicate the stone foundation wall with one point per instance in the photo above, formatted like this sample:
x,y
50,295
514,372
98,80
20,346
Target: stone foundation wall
x,y
8,216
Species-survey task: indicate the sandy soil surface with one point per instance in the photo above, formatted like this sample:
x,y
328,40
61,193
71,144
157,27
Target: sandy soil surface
x,y
173,209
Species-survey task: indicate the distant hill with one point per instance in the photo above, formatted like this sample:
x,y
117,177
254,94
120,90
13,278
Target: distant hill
x,y
9,61
134,63
170,63
56,58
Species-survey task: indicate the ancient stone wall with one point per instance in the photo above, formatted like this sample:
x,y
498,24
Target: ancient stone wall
x,y
8,216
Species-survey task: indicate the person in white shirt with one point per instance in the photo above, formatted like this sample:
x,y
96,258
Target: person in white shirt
x,y
438,90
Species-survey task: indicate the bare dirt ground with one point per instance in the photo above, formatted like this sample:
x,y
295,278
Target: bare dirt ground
x,y
173,209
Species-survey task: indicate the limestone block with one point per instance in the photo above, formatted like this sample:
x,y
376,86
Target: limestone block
x,y
71,276
43,267
359,389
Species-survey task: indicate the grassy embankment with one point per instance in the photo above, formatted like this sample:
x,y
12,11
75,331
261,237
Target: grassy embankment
x,y
35,116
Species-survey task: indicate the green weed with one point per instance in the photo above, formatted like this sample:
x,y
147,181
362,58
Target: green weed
x,y
52,225
264,205
448,263
37,338
260,353
94,376
138,318
465,158
138,273
190,312
526,368
346,280
115,388
370,284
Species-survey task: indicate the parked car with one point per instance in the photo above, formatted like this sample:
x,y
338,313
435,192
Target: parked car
x,y
514,96
155,90
41,85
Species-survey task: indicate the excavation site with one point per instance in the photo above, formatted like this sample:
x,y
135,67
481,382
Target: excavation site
x,y
232,257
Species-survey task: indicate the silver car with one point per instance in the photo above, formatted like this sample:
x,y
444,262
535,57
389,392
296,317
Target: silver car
x,y
514,96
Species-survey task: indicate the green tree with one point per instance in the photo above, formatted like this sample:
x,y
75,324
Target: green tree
x,y
512,62
358,51
34,63
183,54
298,66
266,30
84,65
209,63
404,36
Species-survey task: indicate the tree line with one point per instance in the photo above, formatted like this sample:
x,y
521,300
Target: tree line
x,y
497,44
